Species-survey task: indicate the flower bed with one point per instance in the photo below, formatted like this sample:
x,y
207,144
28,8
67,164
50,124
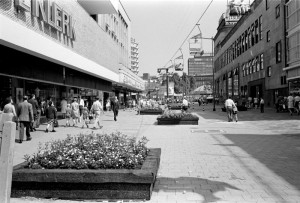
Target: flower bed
x,y
171,118
109,174
175,106
151,111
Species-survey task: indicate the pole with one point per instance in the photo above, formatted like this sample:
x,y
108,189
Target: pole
x,y
212,63
167,83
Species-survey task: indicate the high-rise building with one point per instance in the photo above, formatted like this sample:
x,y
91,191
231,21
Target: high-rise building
x,y
134,56
201,69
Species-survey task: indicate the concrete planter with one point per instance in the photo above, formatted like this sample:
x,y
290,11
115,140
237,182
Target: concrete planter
x,y
87,183
182,121
151,112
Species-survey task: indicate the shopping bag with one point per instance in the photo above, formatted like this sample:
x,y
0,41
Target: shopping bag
x,y
55,123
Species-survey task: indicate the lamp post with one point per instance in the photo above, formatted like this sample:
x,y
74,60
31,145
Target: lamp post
x,y
167,75
156,88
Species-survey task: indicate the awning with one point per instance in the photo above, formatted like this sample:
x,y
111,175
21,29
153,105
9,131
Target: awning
x,y
99,6
123,86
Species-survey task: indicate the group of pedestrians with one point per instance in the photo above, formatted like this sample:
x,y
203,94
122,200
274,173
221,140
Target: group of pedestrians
x,y
28,112
290,104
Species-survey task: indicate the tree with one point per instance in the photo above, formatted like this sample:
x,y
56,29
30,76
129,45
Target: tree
x,y
185,83
192,83
176,79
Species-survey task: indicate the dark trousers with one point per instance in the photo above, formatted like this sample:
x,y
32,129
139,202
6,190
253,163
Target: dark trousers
x,y
24,124
115,114
262,108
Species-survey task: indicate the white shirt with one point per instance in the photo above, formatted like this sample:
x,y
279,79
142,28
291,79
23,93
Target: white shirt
x,y
229,102
81,102
185,102
97,106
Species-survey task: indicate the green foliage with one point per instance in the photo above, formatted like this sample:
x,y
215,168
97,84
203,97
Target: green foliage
x,y
90,151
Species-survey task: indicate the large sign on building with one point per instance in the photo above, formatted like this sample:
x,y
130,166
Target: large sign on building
x,y
200,66
50,13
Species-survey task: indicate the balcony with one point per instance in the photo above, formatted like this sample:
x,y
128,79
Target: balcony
x,y
94,7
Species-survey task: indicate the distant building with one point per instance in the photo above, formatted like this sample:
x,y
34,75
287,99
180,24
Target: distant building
x,y
250,52
146,76
201,68
134,56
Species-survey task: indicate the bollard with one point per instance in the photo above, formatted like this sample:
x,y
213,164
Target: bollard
x,y
7,142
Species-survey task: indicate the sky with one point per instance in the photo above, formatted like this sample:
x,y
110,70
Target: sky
x,y
161,26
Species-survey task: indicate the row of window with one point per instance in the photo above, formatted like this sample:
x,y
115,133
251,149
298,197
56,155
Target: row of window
x,y
249,38
254,65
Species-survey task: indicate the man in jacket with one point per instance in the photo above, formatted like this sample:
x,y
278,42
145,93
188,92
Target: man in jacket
x,y
35,106
25,115
115,107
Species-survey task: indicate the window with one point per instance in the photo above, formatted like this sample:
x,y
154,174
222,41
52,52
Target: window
x,y
267,4
250,66
278,52
277,10
261,61
246,40
243,43
249,37
283,80
244,71
269,71
254,65
256,32
260,27
257,64
252,34
247,69
268,36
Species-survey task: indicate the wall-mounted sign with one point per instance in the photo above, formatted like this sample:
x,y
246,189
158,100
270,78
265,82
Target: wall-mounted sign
x,y
50,13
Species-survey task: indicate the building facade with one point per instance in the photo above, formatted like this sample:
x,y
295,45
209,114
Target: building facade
x,y
55,49
293,46
134,56
250,55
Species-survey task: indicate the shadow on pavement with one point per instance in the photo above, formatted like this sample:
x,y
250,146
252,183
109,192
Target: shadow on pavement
x,y
204,187
279,153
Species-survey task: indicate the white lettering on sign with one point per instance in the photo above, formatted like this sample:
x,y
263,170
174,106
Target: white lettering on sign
x,y
51,14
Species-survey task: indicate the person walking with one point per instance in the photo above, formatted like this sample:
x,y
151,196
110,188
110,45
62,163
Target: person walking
x,y
35,106
185,104
297,102
235,112
85,116
75,111
115,107
290,103
96,110
10,108
68,115
262,105
25,116
51,116
81,105
39,112
229,108
63,107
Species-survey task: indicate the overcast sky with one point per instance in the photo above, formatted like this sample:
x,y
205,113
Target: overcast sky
x,y
160,27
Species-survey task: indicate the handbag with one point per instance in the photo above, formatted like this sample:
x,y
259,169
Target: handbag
x,y
55,123
91,118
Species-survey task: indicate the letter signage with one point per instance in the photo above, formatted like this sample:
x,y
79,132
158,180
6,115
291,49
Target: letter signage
x,y
50,13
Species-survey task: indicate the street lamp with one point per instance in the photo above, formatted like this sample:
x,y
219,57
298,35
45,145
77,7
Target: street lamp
x,y
167,74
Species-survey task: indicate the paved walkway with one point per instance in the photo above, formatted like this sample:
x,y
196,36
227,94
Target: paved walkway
x,y
254,160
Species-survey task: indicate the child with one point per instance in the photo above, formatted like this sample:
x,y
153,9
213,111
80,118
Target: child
x,y
51,116
85,116
68,115
235,110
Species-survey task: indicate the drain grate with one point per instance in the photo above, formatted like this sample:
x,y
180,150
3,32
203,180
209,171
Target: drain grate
x,y
208,131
